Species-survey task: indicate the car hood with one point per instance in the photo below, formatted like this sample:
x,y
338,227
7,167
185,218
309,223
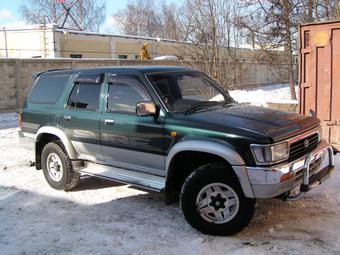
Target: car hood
x,y
276,124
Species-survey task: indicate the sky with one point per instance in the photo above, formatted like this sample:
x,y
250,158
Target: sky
x,y
10,15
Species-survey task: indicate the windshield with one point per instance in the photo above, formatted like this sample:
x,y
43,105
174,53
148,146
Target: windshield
x,y
184,91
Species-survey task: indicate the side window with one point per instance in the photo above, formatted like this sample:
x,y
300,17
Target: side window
x,y
84,96
125,92
48,88
73,97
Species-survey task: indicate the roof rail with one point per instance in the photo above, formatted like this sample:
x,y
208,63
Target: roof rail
x,y
58,69
35,75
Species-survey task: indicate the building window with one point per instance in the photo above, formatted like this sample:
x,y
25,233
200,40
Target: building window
x,y
76,56
136,56
122,56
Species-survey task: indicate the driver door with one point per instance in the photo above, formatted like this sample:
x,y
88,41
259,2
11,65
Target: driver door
x,y
127,140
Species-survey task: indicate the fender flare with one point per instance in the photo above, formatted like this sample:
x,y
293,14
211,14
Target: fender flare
x,y
219,149
59,133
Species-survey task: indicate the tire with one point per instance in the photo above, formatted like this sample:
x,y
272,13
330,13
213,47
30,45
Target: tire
x,y
59,173
224,210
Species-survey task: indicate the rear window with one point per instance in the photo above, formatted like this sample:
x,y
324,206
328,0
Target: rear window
x,y
48,88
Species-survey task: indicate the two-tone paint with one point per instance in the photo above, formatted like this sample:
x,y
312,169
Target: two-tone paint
x,y
148,144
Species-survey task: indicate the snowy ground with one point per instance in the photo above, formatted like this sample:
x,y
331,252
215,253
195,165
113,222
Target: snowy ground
x,y
102,217
276,93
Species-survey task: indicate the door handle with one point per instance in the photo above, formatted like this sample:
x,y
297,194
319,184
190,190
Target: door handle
x,y
67,118
109,122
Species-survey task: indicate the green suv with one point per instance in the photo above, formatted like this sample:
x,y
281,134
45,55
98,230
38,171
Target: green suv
x,y
175,131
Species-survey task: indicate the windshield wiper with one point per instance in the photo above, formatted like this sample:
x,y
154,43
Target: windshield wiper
x,y
201,105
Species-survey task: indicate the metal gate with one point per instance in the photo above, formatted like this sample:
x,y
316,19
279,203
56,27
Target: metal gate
x,y
319,76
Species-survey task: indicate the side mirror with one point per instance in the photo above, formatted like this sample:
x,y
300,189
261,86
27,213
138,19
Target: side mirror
x,y
145,108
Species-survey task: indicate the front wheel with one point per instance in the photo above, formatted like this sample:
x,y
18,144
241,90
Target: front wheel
x,y
213,202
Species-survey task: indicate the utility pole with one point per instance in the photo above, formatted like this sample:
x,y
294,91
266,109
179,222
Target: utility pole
x,y
5,36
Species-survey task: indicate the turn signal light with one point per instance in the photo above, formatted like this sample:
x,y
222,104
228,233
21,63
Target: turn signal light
x,y
286,176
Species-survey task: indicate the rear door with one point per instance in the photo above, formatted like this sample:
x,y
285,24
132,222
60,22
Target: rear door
x,y
80,115
130,141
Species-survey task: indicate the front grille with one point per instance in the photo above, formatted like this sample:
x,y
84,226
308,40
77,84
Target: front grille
x,y
298,149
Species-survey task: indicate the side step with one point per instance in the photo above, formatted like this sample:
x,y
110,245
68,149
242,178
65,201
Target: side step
x,y
143,180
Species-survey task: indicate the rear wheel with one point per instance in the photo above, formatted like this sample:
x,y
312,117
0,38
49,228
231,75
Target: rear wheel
x,y
213,202
57,167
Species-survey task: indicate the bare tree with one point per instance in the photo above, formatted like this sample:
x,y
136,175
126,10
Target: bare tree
x,y
212,35
273,24
89,14
146,18
319,10
139,18
169,16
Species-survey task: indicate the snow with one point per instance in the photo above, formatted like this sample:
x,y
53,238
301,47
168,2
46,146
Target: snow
x,y
103,217
275,93
8,120
166,57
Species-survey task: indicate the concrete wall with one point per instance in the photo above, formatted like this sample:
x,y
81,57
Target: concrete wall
x,y
86,46
68,43
16,74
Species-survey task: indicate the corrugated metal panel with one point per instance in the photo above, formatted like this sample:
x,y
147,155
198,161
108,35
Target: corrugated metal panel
x,y
319,76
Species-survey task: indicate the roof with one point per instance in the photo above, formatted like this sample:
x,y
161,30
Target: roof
x,y
320,23
140,69
79,32
54,28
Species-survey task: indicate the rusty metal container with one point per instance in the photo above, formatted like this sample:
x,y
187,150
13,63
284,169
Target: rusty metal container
x,y
319,76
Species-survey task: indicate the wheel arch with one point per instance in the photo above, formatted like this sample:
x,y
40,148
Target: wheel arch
x,y
47,134
206,152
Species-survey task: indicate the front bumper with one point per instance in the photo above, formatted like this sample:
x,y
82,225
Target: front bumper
x,y
308,172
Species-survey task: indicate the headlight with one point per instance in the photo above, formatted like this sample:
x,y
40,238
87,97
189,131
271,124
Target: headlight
x,y
269,154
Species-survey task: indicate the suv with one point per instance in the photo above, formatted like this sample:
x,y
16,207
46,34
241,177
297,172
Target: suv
x,y
172,130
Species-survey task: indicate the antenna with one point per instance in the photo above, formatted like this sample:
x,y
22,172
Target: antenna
x,y
67,13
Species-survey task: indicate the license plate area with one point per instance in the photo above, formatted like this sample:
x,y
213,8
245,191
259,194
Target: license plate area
x,y
319,161
317,169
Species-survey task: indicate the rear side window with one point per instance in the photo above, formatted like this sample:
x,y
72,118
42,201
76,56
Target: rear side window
x,y
84,96
48,88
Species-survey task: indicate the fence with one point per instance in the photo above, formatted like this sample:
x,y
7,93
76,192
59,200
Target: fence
x,y
16,74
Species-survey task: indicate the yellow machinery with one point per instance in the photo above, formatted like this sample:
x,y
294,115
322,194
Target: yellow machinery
x,y
144,53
